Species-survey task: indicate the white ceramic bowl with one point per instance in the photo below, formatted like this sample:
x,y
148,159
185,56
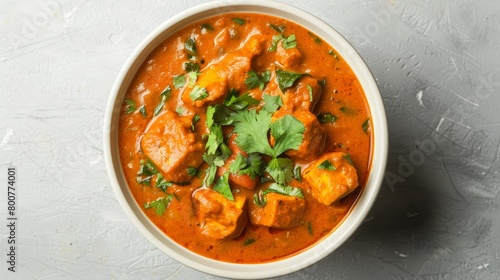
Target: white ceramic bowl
x,y
231,270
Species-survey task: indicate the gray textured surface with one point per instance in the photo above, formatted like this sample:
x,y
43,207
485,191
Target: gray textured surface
x,y
437,65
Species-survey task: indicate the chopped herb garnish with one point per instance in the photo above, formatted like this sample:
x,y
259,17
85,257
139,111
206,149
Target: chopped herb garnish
x,y
310,91
259,199
255,80
179,81
272,102
190,47
327,165
142,110
332,53
326,118
239,21
286,79
274,42
164,95
196,118
236,102
222,186
130,106
289,42
281,169
192,171
285,190
251,128
309,228
316,39
180,110
198,93
191,66
366,125
162,183
279,29
207,27
297,173
144,180
160,205
348,158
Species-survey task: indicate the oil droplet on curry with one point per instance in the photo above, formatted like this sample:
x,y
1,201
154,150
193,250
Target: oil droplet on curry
x,y
245,138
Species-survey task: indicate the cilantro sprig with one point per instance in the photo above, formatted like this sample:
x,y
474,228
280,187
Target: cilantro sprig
x,y
255,80
260,198
159,205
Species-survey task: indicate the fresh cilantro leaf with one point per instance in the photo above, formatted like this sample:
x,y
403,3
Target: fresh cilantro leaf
x,y
179,81
213,161
196,118
286,79
288,133
180,111
259,199
240,102
210,116
347,157
272,102
327,165
310,91
142,110
279,29
192,171
348,110
222,186
191,66
252,165
130,106
198,93
281,169
147,168
251,129
239,21
297,173
164,95
190,47
207,27
289,42
255,80
285,190
215,139
193,76
326,118
160,205
144,180
223,115
239,163
366,125
274,42
161,183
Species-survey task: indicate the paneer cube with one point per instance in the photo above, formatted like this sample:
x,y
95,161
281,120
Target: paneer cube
x,y
303,96
288,57
280,211
331,177
219,217
171,145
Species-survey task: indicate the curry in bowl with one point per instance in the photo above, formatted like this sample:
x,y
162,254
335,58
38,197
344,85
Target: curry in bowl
x,y
245,138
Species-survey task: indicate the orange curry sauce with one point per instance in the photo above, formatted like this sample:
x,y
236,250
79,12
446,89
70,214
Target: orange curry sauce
x,y
341,95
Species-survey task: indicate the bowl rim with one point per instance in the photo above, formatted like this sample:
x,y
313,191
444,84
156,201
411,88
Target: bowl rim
x,y
315,252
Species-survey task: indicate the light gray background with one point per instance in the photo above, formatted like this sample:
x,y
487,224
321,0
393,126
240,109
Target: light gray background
x,y
436,63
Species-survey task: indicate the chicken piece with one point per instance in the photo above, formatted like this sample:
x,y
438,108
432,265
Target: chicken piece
x,y
313,142
229,72
288,57
171,145
331,177
304,95
280,211
219,217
